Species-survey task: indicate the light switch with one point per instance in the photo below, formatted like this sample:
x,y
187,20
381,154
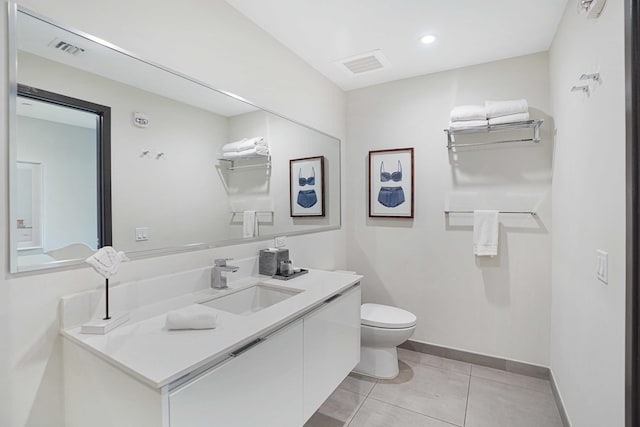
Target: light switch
x,y
602,266
280,241
142,234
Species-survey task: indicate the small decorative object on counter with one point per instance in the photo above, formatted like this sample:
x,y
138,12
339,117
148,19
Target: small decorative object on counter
x,y
269,260
286,268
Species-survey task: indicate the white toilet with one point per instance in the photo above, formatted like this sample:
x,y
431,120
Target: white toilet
x,y
382,329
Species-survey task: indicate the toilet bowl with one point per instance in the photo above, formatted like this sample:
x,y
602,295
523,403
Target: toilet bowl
x,y
382,329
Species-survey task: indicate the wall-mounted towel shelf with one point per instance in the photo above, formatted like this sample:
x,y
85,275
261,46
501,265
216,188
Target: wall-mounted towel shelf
x,y
258,212
534,125
502,212
231,162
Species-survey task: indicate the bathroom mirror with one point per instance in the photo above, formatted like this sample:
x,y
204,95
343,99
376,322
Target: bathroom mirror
x,y
173,188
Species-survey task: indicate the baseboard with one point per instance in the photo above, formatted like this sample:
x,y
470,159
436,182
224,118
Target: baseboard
x,y
559,402
513,366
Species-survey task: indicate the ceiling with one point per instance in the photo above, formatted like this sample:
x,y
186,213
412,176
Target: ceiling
x,y
468,32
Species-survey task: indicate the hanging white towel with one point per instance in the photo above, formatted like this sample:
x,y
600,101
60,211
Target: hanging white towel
x,y
511,118
194,316
106,261
468,112
467,124
485,233
249,224
506,108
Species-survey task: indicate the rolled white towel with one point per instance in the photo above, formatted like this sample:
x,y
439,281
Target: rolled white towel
x,y
512,118
468,124
468,112
194,316
244,144
259,150
506,108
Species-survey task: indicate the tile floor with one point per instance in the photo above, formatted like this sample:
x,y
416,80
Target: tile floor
x,y
435,392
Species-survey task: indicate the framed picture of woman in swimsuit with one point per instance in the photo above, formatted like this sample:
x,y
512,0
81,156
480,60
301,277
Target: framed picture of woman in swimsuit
x,y
391,183
306,182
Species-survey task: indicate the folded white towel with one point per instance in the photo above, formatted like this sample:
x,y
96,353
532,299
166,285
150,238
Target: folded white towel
x,y
244,144
485,233
511,118
468,112
506,108
249,224
260,150
468,124
106,261
194,316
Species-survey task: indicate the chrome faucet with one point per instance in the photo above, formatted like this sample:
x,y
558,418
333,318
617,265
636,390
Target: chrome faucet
x,y
218,280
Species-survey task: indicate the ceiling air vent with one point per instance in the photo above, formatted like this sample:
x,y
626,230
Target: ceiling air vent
x,y
366,62
66,47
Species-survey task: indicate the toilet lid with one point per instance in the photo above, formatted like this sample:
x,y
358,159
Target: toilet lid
x,y
385,316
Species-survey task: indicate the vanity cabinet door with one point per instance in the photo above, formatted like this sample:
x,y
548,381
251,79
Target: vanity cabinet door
x,y
260,387
331,347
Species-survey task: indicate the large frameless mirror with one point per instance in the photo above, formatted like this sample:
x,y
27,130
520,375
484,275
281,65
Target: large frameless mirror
x,y
186,166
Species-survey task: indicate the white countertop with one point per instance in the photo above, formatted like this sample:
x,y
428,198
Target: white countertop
x,y
156,356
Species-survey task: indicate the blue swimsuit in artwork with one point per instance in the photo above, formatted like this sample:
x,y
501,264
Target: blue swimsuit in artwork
x,y
391,196
307,198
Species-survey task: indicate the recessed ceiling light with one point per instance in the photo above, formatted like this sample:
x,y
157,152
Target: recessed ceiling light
x,y
428,39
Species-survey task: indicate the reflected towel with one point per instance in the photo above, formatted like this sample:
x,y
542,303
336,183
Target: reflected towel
x,y
468,112
193,316
244,144
467,124
506,108
249,224
261,150
106,261
485,233
511,118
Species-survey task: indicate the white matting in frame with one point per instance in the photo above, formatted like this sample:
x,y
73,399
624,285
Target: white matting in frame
x,y
306,180
391,183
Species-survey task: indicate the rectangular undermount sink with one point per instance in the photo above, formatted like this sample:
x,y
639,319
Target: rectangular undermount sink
x,y
252,299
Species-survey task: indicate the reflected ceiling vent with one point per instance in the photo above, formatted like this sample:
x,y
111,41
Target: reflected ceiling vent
x,y
365,62
66,47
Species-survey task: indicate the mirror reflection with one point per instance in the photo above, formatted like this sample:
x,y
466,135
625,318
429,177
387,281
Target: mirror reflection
x,y
189,165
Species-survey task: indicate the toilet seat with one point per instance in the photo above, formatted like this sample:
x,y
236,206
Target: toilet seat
x,y
384,316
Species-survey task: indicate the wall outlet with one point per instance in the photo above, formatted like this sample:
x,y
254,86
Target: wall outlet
x,y
142,234
602,266
280,241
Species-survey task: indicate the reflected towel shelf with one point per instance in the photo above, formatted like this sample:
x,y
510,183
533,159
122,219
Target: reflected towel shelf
x,y
529,124
232,160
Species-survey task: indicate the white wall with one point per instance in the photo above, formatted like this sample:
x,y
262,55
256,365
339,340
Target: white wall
x,y
500,306
588,317
212,42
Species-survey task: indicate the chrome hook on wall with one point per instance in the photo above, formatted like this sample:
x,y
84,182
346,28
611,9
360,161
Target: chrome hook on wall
x,y
584,89
594,76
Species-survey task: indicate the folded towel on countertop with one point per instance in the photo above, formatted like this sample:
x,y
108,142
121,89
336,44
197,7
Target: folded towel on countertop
x,y
485,233
467,124
244,144
506,108
511,118
468,112
194,316
258,150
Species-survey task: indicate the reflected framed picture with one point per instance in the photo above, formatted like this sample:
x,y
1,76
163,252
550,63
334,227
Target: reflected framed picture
x,y
306,182
391,183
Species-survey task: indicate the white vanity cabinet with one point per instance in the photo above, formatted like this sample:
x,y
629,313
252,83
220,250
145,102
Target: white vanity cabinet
x,y
261,386
331,347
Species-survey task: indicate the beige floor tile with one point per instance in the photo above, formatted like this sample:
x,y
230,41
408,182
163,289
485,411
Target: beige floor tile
x,y
337,410
494,404
374,413
357,383
504,377
430,391
435,361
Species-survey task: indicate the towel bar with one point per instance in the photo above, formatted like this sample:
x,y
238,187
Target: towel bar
x,y
502,212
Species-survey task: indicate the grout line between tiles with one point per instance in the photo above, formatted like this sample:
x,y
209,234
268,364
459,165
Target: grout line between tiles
x,y
348,423
415,412
466,407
